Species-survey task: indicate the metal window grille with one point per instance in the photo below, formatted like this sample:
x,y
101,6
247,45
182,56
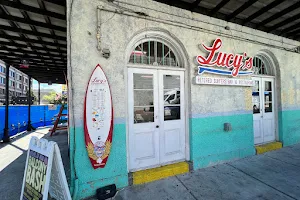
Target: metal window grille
x,y
154,53
261,67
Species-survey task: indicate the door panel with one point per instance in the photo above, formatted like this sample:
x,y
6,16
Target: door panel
x,y
263,110
148,148
268,111
142,103
172,131
156,117
172,141
257,111
257,128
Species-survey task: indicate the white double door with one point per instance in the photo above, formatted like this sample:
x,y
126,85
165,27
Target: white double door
x,y
263,110
156,117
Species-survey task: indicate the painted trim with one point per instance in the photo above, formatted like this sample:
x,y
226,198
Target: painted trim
x,y
217,114
270,57
290,108
144,66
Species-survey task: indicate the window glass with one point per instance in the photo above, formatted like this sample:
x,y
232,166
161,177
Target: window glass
x,y
171,97
256,97
143,98
268,97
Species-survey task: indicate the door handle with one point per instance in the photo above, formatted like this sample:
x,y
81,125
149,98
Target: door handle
x,y
157,126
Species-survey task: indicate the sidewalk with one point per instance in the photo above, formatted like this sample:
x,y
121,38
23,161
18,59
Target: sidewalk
x,y
271,176
274,175
13,159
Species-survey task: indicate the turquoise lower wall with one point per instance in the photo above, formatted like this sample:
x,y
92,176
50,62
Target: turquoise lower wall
x,y
289,127
211,145
89,179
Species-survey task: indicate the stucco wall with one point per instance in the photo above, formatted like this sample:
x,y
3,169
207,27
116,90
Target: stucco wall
x,y
209,106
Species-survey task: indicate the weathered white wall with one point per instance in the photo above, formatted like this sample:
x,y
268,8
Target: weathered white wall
x,y
117,30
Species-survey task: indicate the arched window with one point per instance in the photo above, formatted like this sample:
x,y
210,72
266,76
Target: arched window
x,y
262,66
154,52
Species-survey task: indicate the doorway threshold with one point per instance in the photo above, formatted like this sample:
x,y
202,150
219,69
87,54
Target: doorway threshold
x,y
263,148
149,175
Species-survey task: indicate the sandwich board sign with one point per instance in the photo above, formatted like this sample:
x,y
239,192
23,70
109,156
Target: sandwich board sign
x,y
44,172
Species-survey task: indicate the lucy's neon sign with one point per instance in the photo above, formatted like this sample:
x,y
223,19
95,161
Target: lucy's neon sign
x,y
236,62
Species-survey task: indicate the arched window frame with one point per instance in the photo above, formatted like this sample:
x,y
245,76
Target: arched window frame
x,y
262,66
166,44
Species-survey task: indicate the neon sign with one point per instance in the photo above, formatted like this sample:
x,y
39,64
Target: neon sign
x,y
236,62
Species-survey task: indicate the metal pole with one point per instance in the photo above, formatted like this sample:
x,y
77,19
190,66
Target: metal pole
x,y
39,93
29,126
6,129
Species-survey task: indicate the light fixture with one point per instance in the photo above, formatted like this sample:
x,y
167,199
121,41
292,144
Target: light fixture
x,y
24,64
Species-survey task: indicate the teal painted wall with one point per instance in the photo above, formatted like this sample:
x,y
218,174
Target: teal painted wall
x,y
289,127
211,145
89,179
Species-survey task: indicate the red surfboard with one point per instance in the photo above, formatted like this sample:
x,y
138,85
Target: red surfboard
x,y
98,118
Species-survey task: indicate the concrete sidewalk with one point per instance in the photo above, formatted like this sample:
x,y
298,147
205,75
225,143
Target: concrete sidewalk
x,y
274,175
13,159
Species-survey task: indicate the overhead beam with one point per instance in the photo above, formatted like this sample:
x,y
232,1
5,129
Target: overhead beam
x,y
279,14
284,22
24,56
40,63
47,19
218,7
32,22
10,37
51,54
43,69
58,2
293,33
194,5
26,46
262,11
178,3
290,28
204,11
35,63
13,57
25,31
4,48
20,6
240,9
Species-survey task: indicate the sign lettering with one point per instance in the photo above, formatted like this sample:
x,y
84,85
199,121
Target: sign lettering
x,y
223,81
224,60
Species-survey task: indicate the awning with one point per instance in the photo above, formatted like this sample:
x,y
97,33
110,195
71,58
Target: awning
x,y
280,17
34,32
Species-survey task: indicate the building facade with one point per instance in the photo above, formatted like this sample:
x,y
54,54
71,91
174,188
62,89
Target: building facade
x,y
18,82
170,104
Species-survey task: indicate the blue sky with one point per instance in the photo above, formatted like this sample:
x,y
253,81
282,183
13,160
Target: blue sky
x,y
56,87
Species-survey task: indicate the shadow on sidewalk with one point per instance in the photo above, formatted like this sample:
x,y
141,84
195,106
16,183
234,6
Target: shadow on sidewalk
x,y
13,160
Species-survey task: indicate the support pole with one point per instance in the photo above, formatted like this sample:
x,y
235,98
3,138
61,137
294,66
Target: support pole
x,y
6,129
39,93
29,126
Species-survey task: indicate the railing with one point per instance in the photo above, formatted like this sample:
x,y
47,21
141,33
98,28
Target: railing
x,y
43,115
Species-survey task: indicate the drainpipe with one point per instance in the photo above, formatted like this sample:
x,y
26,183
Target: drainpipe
x,y
6,129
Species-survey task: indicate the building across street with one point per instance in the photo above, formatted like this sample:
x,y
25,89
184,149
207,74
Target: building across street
x,y
18,83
